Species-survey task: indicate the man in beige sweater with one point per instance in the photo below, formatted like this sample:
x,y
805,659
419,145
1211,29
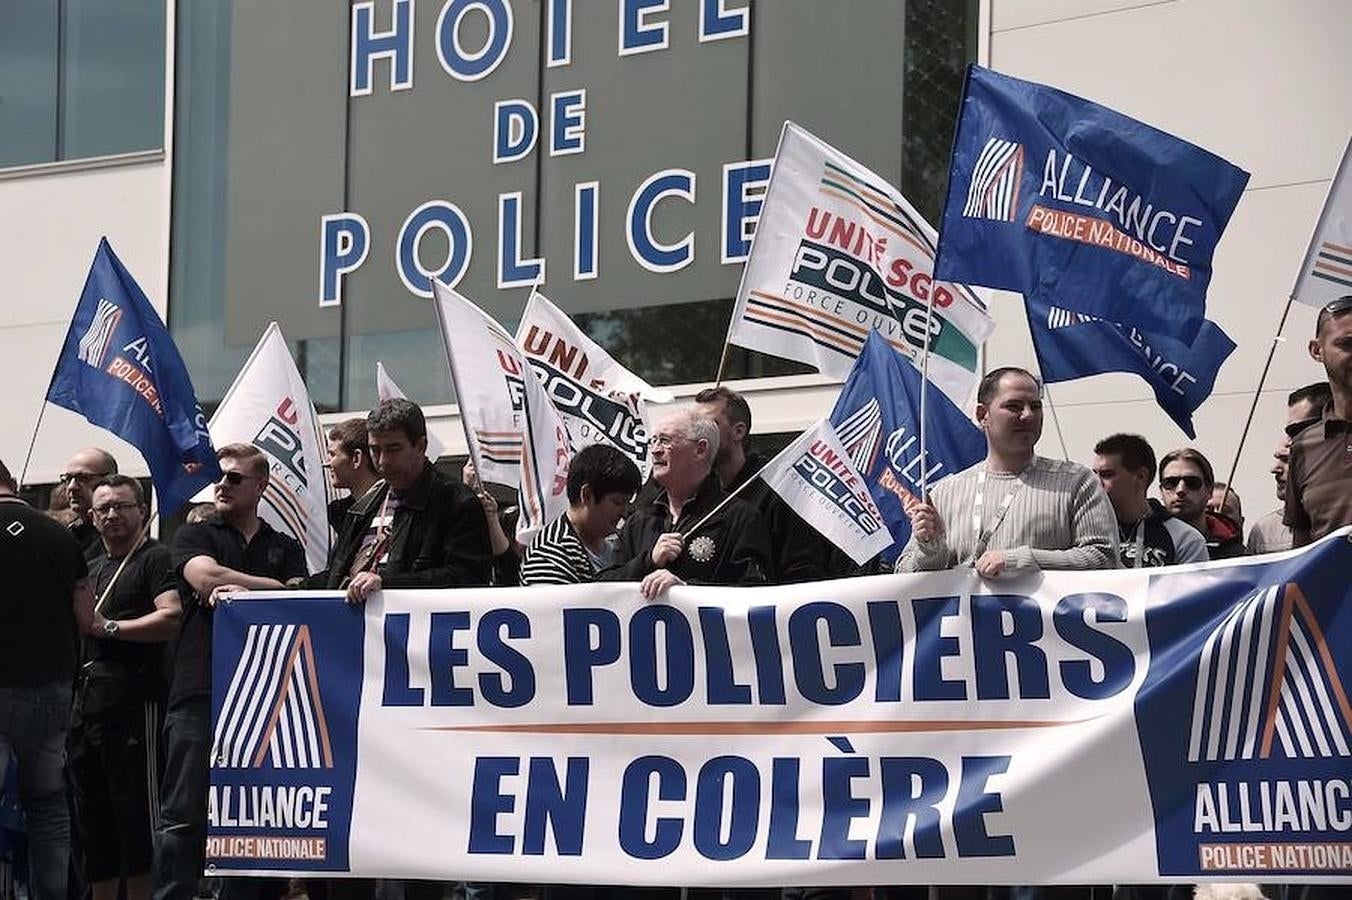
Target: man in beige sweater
x,y
1015,512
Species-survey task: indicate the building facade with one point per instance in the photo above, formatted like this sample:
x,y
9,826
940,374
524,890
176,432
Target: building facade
x,y
315,163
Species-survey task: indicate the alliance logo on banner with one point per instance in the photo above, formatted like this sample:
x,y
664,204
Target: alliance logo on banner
x,y
268,405
1105,214
1250,724
840,253
930,728
284,747
601,401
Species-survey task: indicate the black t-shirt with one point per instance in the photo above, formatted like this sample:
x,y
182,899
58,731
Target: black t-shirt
x,y
89,539
270,554
148,573
42,562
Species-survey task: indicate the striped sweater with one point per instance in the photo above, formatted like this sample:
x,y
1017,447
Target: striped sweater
x,y
556,555
1058,518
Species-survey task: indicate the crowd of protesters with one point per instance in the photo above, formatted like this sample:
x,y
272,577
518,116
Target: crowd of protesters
x,y
111,734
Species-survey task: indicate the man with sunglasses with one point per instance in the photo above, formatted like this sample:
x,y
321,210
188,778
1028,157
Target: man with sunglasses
x,y
1303,407
1319,473
115,760
1147,535
1186,485
85,470
233,551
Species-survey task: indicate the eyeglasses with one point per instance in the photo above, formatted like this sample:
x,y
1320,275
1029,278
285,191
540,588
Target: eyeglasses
x,y
82,477
235,479
1191,482
108,509
666,440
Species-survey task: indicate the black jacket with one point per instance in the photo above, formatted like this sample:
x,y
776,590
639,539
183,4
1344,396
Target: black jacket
x,y
798,551
731,548
439,537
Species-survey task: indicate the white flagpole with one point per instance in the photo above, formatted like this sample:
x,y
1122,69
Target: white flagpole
x,y
924,391
724,502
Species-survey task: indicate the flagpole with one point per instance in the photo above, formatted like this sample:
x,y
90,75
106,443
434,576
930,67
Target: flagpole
x,y
28,457
723,359
1258,392
924,391
724,502
1056,420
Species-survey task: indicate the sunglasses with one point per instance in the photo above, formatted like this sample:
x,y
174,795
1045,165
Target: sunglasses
x,y
1342,304
1191,482
235,479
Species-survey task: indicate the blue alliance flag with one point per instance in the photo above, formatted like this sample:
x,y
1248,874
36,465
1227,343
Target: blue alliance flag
x,y
1071,345
119,369
1057,197
877,418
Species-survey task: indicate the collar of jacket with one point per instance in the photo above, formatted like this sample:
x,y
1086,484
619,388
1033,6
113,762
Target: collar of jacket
x,y
707,495
416,497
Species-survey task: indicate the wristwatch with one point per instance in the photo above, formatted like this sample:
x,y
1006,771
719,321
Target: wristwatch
x,y
110,628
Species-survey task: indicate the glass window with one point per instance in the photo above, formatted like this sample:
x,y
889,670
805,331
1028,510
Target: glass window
x,y
80,78
271,143
28,82
113,78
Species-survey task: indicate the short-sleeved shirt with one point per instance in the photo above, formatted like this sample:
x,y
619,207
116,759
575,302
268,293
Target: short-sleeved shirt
x,y
270,554
148,573
42,562
1319,477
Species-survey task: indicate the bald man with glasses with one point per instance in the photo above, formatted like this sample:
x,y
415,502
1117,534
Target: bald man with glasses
x,y
85,470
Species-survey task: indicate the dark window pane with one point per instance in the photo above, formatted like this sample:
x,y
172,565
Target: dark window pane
x,y
940,41
113,98
28,48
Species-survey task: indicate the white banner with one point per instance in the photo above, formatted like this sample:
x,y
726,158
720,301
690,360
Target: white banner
x,y
839,252
388,389
601,401
1326,273
1116,727
816,478
269,406
516,436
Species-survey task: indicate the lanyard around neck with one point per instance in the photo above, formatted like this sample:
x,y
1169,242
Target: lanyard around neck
x,y
983,537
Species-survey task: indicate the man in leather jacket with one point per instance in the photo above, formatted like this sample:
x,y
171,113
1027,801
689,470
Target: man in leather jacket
x,y
417,529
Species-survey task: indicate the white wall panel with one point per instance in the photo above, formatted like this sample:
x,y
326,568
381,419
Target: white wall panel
x,y
1259,82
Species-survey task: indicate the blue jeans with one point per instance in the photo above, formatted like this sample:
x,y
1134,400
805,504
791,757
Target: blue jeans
x,y
180,838
33,722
